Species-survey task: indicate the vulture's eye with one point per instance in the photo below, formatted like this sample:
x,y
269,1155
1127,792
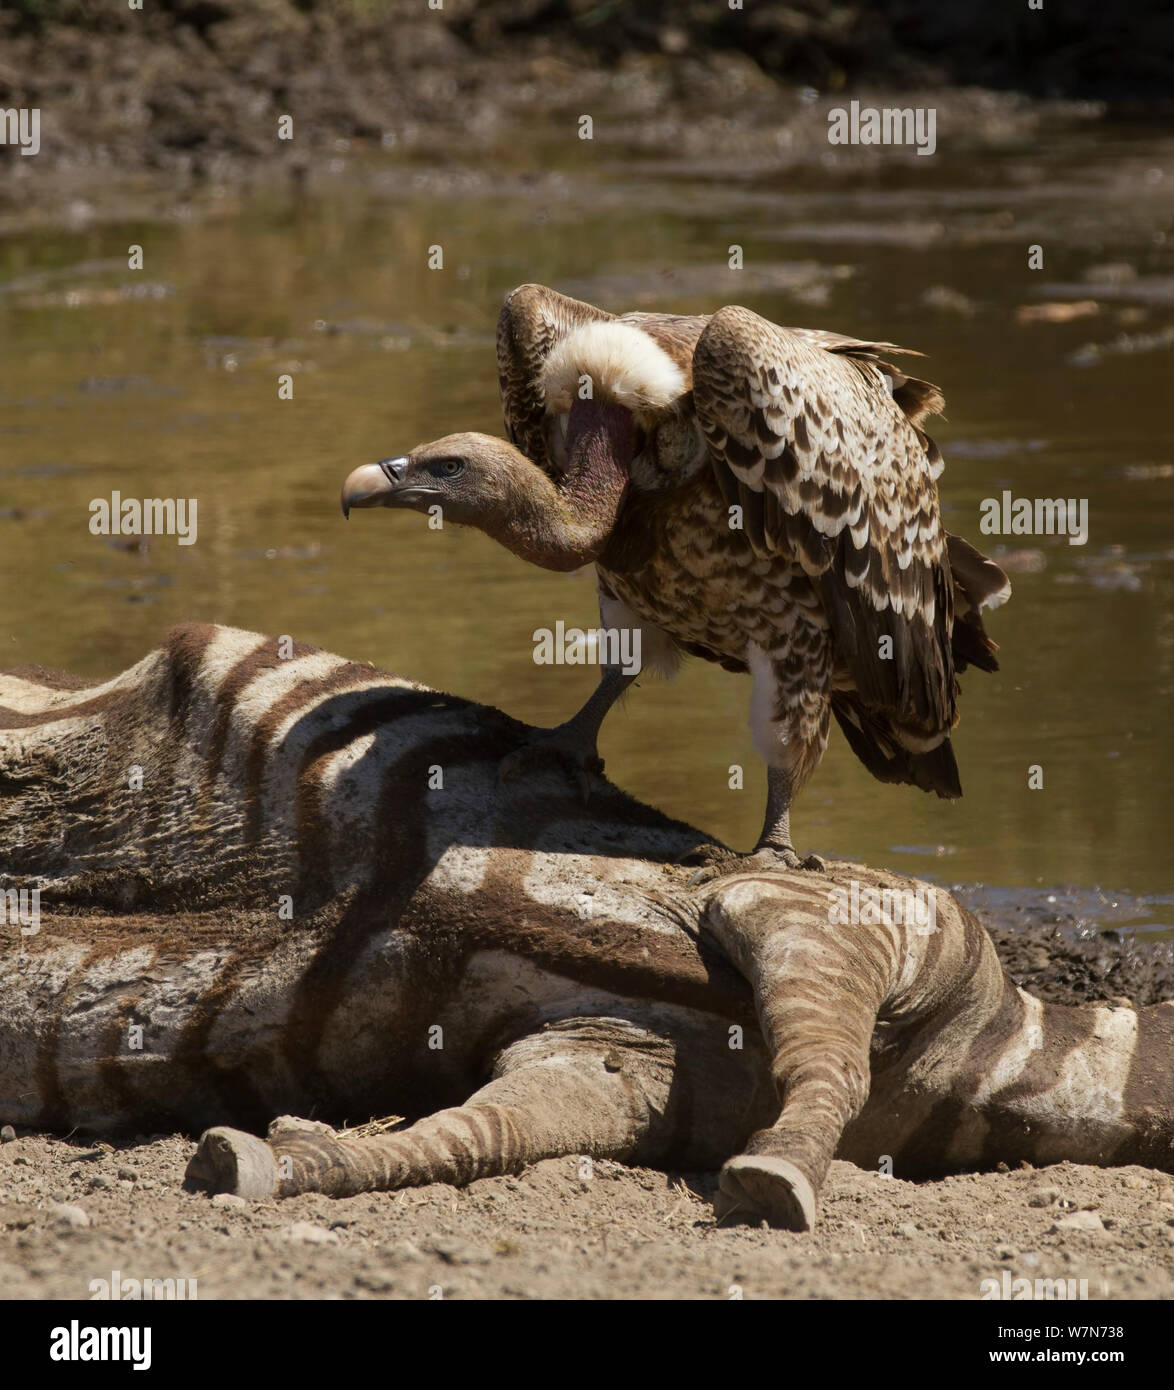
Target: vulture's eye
x,y
451,467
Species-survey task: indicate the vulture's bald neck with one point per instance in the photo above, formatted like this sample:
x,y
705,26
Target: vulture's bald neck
x,y
563,524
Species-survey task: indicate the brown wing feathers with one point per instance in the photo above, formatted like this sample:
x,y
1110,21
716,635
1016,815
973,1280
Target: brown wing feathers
x,y
832,474
532,320
809,437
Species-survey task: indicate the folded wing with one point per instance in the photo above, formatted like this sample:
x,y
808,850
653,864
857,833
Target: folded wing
x,y
533,320
817,443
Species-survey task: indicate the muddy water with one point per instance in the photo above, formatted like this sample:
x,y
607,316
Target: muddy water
x,y
164,383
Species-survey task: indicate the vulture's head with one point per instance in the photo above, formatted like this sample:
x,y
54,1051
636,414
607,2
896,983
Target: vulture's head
x,y
475,479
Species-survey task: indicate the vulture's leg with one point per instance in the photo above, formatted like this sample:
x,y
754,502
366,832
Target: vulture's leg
x,y
574,743
789,714
774,841
773,850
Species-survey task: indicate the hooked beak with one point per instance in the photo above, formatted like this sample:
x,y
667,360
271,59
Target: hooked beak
x,y
375,485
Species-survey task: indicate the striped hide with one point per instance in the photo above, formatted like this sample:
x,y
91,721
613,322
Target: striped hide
x,y
277,883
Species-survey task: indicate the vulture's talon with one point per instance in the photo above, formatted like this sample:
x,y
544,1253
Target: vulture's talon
x,y
707,852
769,858
549,749
784,857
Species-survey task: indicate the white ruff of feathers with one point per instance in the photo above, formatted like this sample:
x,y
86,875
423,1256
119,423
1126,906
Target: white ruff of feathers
x,y
625,366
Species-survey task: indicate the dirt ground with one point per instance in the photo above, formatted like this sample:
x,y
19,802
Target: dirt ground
x,y
620,1234
72,1211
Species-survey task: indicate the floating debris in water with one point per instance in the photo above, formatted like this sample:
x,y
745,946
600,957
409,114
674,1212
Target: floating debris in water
x,y
1119,578
948,300
1063,312
116,385
994,448
39,279
1127,343
138,545
401,337
47,470
1132,289
1144,472
1113,569
907,235
1110,273
794,277
1033,561
311,551
96,296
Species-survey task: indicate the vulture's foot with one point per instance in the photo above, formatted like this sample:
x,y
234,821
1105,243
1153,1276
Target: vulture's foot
x,y
554,747
707,852
718,862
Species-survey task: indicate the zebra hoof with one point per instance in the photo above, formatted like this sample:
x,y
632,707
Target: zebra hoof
x,y
229,1160
754,1187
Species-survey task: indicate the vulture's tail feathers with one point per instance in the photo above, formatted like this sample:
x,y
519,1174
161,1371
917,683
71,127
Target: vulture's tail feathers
x,y
972,646
874,744
978,583
916,398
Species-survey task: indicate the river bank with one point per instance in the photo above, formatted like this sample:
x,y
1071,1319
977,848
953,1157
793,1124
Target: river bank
x,y
261,90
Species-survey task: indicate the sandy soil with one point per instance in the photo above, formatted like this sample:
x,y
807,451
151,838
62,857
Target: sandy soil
x,y
622,1233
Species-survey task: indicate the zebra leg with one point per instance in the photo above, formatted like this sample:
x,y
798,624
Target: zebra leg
x,y
597,1087
817,995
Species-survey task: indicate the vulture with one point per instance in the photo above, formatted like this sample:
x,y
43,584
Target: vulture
x,y
762,497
